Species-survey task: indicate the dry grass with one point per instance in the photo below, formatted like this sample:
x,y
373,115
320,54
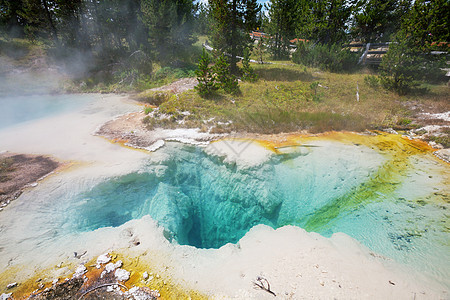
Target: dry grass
x,y
153,97
282,100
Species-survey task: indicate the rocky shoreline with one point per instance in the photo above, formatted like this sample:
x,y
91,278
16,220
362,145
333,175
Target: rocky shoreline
x,y
20,171
104,280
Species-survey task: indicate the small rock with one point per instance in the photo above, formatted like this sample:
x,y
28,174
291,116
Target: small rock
x,y
34,184
76,255
55,281
103,259
118,264
143,293
322,283
5,296
79,271
435,145
110,267
11,285
145,275
390,130
122,275
59,265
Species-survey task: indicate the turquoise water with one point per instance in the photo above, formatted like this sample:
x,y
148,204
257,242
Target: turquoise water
x,y
203,202
19,109
206,203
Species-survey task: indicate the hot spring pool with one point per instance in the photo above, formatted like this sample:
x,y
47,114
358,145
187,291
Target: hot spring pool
x,y
23,108
391,200
387,192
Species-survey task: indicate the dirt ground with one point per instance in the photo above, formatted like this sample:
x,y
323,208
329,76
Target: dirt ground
x,y
18,171
179,86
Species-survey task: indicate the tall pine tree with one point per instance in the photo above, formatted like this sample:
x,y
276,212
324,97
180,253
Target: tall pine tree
x,y
232,22
12,22
325,22
283,22
427,22
170,26
379,19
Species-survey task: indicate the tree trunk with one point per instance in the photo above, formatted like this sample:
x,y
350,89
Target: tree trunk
x,y
278,39
233,68
81,32
50,21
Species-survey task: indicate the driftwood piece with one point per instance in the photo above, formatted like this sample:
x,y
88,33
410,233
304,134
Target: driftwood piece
x,y
263,284
100,286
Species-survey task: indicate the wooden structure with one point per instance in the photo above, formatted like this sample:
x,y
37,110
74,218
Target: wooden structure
x,y
373,52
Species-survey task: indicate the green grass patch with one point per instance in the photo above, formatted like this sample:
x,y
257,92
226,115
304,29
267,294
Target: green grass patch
x,y
148,110
283,100
15,48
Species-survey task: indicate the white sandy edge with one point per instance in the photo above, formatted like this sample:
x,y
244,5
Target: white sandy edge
x,y
297,264
190,136
303,265
245,153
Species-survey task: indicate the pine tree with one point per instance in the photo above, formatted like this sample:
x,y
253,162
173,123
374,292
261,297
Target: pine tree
x,y
400,67
232,21
206,79
325,22
12,22
427,22
248,74
40,19
378,20
251,15
283,14
225,79
408,59
261,48
202,20
170,26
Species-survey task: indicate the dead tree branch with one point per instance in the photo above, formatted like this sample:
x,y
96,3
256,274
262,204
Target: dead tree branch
x,y
263,284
